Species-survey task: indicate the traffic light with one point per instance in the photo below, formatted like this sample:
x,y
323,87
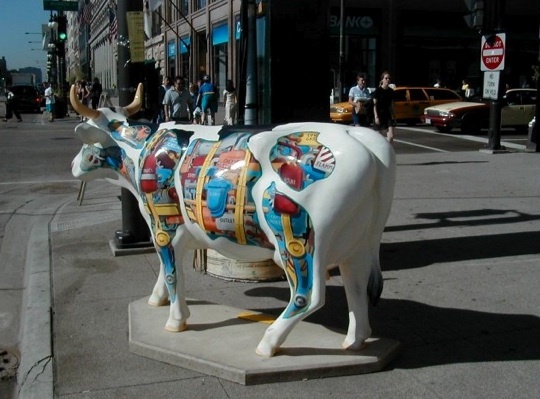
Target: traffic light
x,y
62,28
475,20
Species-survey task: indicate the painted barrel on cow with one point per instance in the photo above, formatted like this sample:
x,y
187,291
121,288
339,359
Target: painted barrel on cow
x,y
220,266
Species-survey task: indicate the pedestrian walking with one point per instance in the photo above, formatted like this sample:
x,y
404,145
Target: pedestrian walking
x,y
49,100
229,99
208,95
166,84
383,101
83,94
11,106
359,95
95,93
177,102
194,93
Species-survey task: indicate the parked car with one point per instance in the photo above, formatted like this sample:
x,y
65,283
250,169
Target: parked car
x,y
27,97
518,108
409,103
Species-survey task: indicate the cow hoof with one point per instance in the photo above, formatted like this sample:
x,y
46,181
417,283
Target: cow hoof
x,y
356,346
176,327
267,352
156,300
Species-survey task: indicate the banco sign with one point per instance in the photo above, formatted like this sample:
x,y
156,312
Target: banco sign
x,y
492,52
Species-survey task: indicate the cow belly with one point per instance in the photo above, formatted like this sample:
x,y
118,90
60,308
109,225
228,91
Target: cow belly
x,y
216,192
226,247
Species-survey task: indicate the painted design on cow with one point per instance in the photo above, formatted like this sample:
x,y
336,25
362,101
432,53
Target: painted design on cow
x,y
312,196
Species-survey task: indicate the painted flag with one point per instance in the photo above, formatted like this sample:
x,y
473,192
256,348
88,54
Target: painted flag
x,y
86,12
147,19
113,24
325,161
154,4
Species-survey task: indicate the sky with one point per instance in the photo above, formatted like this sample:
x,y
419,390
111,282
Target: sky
x,y
18,17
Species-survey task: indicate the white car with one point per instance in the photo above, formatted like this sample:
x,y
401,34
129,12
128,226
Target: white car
x,y
518,108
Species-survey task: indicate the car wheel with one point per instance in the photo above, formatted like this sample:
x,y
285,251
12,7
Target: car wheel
x,y
443,129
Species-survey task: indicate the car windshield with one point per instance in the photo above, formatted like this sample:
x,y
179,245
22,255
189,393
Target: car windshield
x,y
24,90
443,95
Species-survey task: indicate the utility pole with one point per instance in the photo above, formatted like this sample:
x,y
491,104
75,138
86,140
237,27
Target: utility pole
x,y
534,133
341,51
493,24
251,107
134,234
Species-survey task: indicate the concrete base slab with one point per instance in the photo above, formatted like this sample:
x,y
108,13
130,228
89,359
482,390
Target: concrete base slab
x,y
219,343
490,151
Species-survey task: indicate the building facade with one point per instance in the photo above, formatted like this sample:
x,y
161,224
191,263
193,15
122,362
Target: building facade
x,y
418,41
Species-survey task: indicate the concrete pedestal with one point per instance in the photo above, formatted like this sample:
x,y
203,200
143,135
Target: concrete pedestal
x,y
220,343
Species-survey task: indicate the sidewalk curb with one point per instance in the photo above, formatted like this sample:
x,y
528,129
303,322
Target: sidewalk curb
x,y
35,374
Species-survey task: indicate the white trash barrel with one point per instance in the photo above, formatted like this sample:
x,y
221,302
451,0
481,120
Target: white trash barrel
x,y
230,269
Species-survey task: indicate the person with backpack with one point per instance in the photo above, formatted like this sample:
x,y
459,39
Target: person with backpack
x,y
208,95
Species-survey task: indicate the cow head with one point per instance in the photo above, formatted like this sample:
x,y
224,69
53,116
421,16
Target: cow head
x,y
101,155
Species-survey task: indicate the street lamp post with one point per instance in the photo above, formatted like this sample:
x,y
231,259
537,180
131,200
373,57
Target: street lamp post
x,y
134,233
53,77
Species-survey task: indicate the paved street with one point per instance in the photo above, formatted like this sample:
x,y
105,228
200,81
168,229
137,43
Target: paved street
x,y
460,260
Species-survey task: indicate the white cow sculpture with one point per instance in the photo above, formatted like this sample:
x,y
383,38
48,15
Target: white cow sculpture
x,y
312,196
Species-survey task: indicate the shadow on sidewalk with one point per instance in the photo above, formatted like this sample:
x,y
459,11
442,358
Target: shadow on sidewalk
x,y
415,254
431,335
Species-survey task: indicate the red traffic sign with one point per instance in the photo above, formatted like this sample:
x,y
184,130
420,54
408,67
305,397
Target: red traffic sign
x,y
492,52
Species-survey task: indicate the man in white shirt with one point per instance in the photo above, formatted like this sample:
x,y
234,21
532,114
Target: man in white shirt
x,y
49,100
358,96
177,102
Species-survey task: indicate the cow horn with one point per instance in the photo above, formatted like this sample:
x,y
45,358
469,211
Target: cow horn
x,y
136,104
80,108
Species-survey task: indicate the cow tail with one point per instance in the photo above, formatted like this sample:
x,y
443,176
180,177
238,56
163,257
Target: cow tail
x,y
385,159
375,283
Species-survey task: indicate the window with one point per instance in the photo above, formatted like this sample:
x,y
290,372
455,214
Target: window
x,y
201,53
442,94
400,95
220,38
417,95
199,4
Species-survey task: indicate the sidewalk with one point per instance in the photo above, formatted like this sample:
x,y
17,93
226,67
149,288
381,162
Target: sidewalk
x,y
460,259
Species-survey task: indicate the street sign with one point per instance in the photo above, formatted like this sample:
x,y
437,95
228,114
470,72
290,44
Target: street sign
x,y
491,85
59,5
492,52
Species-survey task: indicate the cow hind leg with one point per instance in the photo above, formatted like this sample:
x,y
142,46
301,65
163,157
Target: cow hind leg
x,y
356,276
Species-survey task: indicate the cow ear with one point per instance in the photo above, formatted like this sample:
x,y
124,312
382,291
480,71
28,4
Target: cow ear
x,y
89,134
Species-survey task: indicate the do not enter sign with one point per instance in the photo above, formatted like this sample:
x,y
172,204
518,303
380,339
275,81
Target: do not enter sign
x,y
492,52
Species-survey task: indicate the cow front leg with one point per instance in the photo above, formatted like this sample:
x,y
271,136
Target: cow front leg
x,y
174,281
160,295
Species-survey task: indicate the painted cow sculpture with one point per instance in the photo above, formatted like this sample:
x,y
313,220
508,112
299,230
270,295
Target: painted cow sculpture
x,y
312,196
